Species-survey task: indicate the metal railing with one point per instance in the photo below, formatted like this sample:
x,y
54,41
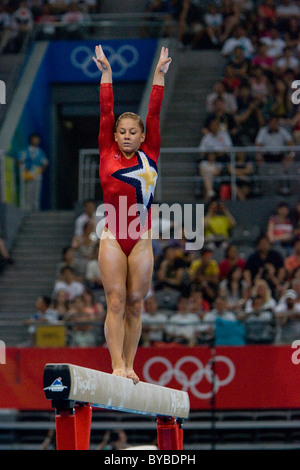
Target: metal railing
x,y
107,26
89,183
2,176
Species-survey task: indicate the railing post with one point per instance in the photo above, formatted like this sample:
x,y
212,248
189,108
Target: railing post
x,y
169,433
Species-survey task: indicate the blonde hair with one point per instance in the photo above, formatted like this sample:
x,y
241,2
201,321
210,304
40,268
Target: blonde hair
x,y
262,282
129,115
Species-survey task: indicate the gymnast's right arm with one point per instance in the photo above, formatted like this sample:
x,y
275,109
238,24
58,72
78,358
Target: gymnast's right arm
x,y
107,118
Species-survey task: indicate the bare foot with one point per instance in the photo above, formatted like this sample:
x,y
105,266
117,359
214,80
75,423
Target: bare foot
x,y
119,372
130,374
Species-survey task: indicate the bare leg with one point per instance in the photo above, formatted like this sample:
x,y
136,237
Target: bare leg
x,y
113,272
140,268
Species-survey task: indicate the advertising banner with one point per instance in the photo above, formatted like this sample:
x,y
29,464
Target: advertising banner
x,y
243,377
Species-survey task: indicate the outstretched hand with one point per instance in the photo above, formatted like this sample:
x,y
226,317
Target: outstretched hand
x,y
100,60
164,60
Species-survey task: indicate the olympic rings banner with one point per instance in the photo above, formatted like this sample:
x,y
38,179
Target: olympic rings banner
x,y
243,377
71,61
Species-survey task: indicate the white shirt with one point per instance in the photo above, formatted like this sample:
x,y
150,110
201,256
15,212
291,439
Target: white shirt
x,y
183,324
231,43
74,289
274,46
217,143
156,323
267,139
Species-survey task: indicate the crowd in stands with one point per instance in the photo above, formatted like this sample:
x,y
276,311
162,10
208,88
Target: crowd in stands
x,y
214,294
251,102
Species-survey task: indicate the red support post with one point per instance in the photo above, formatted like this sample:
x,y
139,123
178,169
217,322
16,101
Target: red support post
x,y
169,434
73,427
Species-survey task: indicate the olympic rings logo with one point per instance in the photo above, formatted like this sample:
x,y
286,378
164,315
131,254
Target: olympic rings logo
x,y
191,383
120,61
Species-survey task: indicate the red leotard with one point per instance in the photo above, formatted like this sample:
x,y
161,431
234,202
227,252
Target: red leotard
x,y
128,184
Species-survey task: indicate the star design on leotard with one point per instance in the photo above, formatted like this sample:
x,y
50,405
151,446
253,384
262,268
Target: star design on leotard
x,y
143,178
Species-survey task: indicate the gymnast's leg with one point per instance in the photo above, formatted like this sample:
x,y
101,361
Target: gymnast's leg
x,y
113,271
139,275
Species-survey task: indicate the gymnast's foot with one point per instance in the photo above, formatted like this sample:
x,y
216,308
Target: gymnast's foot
x,y
130,374
119,372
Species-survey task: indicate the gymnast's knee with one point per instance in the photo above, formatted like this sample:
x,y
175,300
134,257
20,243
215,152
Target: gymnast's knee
x,y
116,301
134,303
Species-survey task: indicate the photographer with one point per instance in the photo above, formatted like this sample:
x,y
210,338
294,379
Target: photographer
x,y
218,223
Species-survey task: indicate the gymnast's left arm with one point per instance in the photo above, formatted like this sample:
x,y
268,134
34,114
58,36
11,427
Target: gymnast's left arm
x,y
155,102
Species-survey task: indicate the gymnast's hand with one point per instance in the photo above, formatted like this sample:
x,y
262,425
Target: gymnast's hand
x,y
164,60
101,60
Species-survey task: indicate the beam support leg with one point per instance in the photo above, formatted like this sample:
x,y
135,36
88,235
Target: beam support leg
x,y
73,426
169,434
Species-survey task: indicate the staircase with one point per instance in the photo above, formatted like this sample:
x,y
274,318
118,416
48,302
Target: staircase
x,y
197,72
37,251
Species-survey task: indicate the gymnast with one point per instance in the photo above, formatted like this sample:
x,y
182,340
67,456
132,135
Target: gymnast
x,y
128,170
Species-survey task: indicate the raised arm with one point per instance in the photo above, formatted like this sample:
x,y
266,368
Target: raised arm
x,y
162,67
152,140
107,118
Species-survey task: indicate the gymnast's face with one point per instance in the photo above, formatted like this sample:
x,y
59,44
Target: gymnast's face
x,y
129,136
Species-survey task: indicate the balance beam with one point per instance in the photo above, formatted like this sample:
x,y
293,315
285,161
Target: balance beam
x,y
72,387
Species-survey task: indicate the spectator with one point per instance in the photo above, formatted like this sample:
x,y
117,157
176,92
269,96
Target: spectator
x,y
22,24
190,26
239,64
227,329
73,19
242,171
266,11
172,271
218,223
259,260
238,38
35,162
279,103
291,36
263,60
68,259
153,322
288,314
5,28
231,17
226,120
230,105
213,23
209,170
197,303
280,229
92,274
59,6
287,62
230,260
208,266
294,124
261,289
68,283
182,326
88,215
260,324
231,81
81,320
273,135
285,10
234,289
84,247
61,304
248,116
259,85
292,261
44,315
216,140
275,45
45,22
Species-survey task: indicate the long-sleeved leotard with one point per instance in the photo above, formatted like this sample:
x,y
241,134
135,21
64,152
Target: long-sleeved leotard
x,y
128,184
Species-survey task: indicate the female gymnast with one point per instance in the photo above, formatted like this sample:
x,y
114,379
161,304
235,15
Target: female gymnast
x,y
128,173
